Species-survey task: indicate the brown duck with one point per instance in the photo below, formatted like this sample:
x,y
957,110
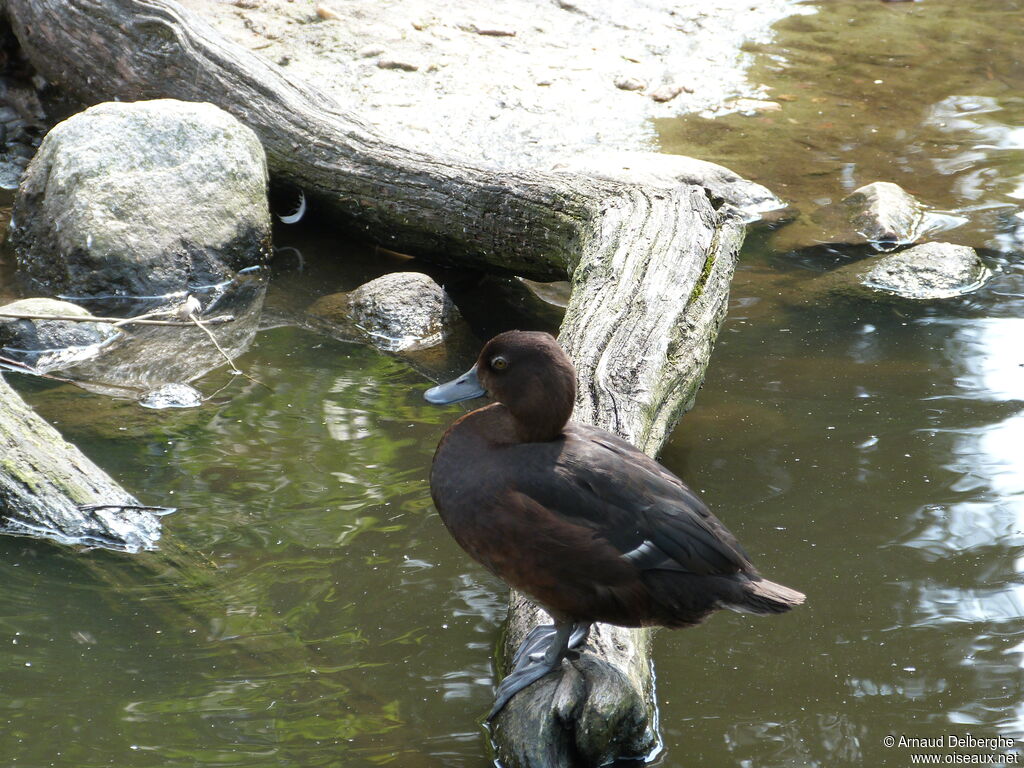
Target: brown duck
x,y
586,524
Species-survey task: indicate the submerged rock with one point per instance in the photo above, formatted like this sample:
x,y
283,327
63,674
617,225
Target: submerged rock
x,y
36,342
396,312
143,199
172,396
656,169
148,357
885,214
924,272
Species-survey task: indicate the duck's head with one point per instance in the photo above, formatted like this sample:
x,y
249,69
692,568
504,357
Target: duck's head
x,y
528,373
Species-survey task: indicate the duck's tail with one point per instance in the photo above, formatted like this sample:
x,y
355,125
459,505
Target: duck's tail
x,y
764,597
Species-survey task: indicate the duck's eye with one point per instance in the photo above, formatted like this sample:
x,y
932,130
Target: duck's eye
x,y
499,363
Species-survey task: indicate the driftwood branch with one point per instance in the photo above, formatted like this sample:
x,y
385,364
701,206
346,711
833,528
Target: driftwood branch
x,y
650,271
118,321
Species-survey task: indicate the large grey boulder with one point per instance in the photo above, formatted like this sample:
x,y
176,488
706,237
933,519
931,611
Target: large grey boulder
x,y
395,312
142,199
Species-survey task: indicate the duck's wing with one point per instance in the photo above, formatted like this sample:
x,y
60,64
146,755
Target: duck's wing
x,y
648,515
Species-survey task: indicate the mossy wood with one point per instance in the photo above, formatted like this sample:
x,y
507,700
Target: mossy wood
x,y
49,488
650,271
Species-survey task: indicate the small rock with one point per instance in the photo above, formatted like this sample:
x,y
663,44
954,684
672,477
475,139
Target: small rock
x,y
489,30
749,106
921,273
928,271
369,51
667,92
885,214
396,312
327,12
10,174
629,83
172,396
401,64
22,151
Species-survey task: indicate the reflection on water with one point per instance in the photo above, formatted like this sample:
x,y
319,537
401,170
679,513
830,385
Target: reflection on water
x,y
881,447
332,627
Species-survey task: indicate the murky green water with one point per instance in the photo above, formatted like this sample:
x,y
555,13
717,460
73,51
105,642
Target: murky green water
x,y
870,456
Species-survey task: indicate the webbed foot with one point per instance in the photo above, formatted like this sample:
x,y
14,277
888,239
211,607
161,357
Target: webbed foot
x,y
540,652
528,673
535,642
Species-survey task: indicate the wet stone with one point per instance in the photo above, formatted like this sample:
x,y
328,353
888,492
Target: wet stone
x,y
396,312
29,341
172,396
884,213
928,271
142,199
627,83
10,173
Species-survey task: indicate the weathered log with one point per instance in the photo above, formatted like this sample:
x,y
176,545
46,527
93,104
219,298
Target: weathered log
x,y
644,354
51,489
650,271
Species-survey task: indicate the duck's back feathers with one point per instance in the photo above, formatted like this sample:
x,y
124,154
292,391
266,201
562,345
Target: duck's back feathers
x,y
596,530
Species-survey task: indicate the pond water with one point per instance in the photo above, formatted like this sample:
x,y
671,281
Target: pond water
x,y
869,455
